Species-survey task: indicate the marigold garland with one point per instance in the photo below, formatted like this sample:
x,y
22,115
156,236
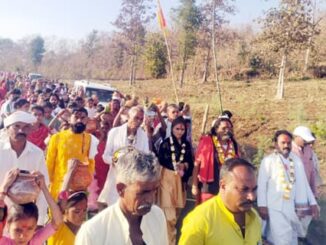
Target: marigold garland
x,y
223,155
287,183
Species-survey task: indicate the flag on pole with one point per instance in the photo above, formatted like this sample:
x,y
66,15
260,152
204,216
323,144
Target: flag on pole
x,y
162,23
160,16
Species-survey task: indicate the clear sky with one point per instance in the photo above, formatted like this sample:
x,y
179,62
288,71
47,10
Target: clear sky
x,y
74,19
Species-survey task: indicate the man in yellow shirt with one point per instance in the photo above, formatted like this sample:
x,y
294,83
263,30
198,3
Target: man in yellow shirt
x,y
228,218
68,144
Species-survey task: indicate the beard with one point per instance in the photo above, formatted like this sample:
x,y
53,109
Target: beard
x,y
226,136
285,151
78,128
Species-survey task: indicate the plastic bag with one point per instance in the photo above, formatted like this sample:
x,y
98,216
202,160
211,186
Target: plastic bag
x,y
24,189
78,176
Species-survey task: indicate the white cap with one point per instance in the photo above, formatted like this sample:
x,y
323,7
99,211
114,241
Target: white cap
x,y
19,116
304,133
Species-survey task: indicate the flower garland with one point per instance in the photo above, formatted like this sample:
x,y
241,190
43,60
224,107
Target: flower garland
x,y
287,185
173,157
223,155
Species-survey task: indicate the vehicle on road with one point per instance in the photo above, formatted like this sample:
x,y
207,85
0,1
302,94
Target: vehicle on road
x,y
103,92
33,76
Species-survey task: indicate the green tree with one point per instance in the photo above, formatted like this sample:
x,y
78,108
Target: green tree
x,y
131,23
188,21
37,50
155,56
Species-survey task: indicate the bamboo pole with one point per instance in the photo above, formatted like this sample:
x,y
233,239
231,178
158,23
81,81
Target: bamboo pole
x,y
204,123
171,67
215,58
170,59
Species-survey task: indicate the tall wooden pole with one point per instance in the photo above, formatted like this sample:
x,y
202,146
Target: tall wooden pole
x,y
205,117
170,59
215,57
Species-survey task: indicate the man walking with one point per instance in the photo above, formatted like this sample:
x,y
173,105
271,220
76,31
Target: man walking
x,y
69,144
284,192
17,152
133,219
228,218
128,134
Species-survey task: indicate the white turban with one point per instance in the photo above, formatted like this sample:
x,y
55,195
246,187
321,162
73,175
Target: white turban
x,y
19,116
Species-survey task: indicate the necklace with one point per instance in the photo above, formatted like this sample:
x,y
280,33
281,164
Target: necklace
x,y
173,156
223,155
287,183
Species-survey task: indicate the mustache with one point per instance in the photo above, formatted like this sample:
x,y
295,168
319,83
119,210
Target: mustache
x,y
248,203
230,134
21,134
144,206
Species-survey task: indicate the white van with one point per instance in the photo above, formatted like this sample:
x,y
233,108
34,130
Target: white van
x,y
103,92
33,76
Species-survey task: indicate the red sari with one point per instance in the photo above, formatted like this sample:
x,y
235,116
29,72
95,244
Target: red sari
x,y
101,168
38,136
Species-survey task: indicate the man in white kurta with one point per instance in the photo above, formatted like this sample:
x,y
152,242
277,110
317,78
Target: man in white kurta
x,y
127,134
283,192
111,227
31,158
133,219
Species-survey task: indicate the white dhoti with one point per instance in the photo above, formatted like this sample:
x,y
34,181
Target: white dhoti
x,y
305,222
109,193
282,228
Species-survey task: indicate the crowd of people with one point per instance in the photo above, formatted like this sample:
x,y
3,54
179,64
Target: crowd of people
x,y
119,173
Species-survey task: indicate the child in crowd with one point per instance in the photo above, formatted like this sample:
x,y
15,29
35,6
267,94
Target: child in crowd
x,y
74,211
22,218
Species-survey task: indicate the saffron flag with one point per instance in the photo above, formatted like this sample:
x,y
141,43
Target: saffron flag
x,y
160,17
